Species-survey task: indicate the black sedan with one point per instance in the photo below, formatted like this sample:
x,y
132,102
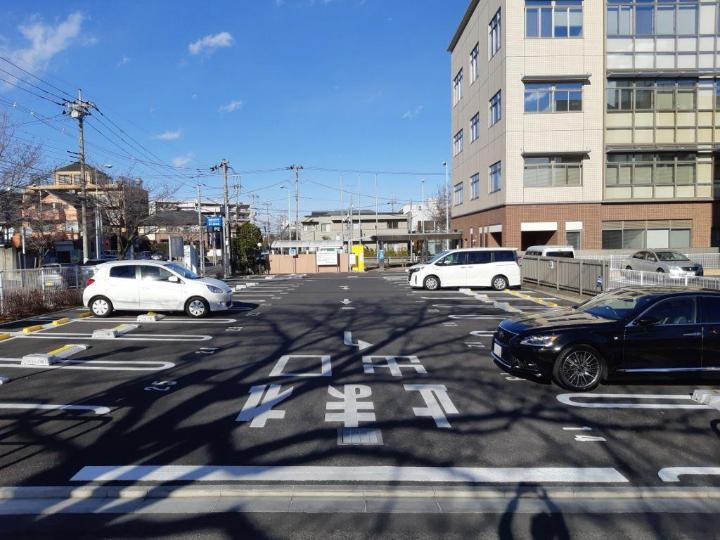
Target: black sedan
x,y
631,331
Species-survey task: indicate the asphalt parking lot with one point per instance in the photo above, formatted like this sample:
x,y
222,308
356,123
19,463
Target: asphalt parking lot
x,y
336,380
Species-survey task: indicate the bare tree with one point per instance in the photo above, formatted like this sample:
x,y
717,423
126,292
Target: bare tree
x,y
124,206
439,207
19,167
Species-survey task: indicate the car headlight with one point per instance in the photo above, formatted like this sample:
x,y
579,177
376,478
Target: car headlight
x,y
539,341
215,290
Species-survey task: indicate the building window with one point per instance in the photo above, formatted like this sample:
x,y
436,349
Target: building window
x,y
717,95
458,143
494,35
475,127
553,18
553,171
647,234
553,97
495,108
652,95
495,177
458,194
572,238
647,169
475,186
325,227
648,18
393,224
474,63
457,87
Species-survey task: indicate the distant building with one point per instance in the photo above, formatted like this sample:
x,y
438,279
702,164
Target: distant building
x,y
360,227
239,212
422,216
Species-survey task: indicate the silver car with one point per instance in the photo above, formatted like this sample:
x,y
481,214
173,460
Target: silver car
x,y
664,261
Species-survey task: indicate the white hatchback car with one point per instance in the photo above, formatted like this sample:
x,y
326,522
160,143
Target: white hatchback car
x,y
156,286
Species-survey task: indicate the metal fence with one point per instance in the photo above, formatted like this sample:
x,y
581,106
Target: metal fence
x,y
47,280
592,276
582,276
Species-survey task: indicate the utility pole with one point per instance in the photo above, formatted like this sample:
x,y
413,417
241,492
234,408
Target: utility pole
x,y
267,226
223,165
201,239
297,169
377,242
342,222
447,204
79,109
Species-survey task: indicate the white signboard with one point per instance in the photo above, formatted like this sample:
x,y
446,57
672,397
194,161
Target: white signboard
x,y
327,258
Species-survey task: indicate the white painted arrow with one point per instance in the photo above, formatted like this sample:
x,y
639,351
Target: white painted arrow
x,y
346,301
344,287
362,345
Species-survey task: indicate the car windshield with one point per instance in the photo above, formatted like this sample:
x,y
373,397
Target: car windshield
x,y
615,305
437,257
184,272
671,256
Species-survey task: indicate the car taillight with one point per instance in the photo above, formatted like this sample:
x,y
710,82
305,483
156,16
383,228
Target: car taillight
x,y
89,282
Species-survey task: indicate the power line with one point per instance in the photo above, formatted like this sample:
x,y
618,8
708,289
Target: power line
x,y
36,77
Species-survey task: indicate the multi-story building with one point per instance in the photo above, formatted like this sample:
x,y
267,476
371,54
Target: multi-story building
x,y
590,123
360,227
239,212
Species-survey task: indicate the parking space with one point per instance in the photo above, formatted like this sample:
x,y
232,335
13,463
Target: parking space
x,y
330,378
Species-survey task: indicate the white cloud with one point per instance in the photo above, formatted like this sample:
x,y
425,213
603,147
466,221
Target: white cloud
x,y
211,42
412,113
169,135
46,41
123,60
181,161
234,105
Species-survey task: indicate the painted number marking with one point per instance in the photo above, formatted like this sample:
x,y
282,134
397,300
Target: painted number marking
x,y
160,386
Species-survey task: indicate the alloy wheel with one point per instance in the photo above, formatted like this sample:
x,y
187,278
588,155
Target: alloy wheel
x,y
580,369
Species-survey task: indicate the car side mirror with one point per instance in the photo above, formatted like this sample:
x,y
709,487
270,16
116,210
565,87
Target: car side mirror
x,y
174,279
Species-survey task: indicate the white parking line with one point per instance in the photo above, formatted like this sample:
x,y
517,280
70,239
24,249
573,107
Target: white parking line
x,y
210,320
673,474
95,365
133,337
596,401
209,473
97,409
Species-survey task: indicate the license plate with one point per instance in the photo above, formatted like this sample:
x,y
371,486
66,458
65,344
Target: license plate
x,y
497,349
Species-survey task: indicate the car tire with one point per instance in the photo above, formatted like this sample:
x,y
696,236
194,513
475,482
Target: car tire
x,y
100,306
628,268
660,271
579,369
197,307
431,283
499,283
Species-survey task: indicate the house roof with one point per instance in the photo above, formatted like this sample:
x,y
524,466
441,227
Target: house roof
x,y
179,218
75,167
64,196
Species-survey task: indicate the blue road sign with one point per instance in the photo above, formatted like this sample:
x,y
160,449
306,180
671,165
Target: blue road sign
x,y
213,221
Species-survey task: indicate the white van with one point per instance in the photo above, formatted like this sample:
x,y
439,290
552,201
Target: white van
x,y
472,267
550,251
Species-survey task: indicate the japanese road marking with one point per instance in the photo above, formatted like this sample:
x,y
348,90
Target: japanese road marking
x,y
259,407
279,369
597,403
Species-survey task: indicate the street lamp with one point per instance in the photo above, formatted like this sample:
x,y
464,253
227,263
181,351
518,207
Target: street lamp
x,y
98,218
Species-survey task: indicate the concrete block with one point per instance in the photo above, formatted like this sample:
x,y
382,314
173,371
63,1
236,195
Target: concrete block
x,y
37,359
710,398
150,317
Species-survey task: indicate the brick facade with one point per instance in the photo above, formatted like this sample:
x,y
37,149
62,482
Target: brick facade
x,y
591,215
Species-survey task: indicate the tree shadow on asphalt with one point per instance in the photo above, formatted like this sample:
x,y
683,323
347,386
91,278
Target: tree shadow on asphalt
x,y
214,393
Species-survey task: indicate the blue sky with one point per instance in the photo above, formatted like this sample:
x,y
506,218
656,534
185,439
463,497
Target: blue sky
x,y
329,84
